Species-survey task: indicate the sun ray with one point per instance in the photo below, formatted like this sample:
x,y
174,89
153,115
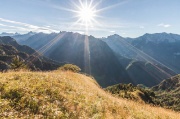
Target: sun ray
x,y
76,5
112,6
94,6
65,9
90,4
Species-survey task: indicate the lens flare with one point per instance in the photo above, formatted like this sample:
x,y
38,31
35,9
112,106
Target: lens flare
x,y
86,14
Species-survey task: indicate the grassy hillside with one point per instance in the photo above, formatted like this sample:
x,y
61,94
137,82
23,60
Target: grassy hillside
x,y
168,93
67,95
129,91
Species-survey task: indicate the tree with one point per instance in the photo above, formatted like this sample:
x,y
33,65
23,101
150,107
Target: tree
x,y
70,67
18,64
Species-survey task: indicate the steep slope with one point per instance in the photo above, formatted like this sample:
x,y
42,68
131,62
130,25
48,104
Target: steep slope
x,y
92,55
10,41
38,40
135,54
168,92
169,84
147,73
121,46
162,47
66,95
147,46
9,48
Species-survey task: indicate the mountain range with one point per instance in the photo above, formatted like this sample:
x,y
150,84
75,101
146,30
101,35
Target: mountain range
x,y
147,60
92,55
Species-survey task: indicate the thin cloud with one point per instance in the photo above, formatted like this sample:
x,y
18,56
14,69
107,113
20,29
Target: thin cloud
x,y
27,26
81,32
164,25
141,27
15,27
112,31
2,24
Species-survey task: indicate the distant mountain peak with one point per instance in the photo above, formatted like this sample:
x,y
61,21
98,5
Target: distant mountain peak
x,y
160,37
30,32
115,36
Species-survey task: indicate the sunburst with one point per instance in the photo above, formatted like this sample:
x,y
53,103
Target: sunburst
x,y
86,13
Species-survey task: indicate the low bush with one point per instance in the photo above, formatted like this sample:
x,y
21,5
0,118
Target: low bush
x,y
70,67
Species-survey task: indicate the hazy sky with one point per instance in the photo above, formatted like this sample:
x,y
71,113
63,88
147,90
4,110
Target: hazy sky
x,y
128,18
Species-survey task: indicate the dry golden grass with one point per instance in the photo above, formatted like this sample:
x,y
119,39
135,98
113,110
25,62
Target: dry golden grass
x,y
67,95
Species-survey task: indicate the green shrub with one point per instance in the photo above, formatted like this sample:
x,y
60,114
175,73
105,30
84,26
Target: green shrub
x,y
70,67
17,64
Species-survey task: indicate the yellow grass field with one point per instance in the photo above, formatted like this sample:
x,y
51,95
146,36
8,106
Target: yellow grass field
x,y
67,95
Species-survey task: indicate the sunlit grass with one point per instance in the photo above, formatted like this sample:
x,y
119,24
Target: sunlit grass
x,y
61,94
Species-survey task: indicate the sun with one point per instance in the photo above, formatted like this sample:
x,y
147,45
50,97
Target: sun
x,y
86,14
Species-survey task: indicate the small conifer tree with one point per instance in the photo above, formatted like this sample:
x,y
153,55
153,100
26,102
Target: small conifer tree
x,y
17,64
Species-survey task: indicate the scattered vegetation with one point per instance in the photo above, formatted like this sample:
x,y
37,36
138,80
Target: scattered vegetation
x,y
170,100
129,91
168,93
67,95
70,67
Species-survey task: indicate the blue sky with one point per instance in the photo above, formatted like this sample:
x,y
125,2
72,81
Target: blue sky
x,y
128,18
